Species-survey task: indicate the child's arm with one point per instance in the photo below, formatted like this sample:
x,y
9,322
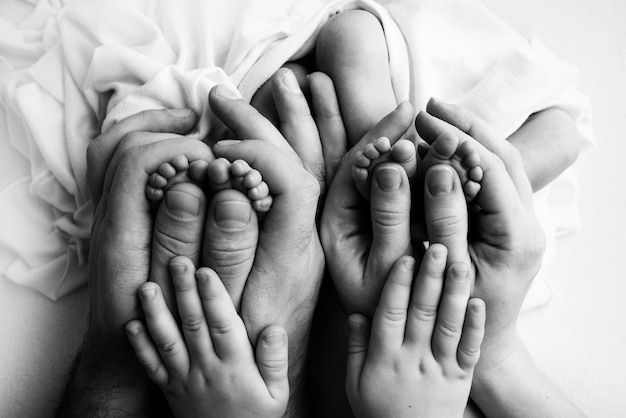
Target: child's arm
x,y
549,143
208,367
424,344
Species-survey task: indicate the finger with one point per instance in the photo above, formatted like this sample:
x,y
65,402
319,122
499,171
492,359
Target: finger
x,y
329,122
473,332
192,320
297,124
358,342
230,240
146,352
272,361
228,333
164,331
390,207
451,314
389,323
102,148
177,231
426,295
446,212
243,120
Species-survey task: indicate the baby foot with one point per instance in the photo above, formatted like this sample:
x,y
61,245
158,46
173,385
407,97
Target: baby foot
x,y
380,151
178,170
238,175
462,155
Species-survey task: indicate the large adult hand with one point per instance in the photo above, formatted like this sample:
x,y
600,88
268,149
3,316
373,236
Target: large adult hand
x,y
506,246
506,243
281,285
106,376
359,239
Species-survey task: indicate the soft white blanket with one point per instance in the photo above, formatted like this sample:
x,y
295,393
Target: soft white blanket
x,y
71,68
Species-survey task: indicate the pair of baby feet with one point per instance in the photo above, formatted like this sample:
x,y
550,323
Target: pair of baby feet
x,y
219,174
462,155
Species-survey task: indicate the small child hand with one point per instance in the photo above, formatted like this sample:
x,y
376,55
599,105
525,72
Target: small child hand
x,y
209,369
424,344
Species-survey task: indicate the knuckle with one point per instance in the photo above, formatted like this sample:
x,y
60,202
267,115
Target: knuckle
x,y
394,315
389,216
424,313
167,347
446,226
448,328
471,353
224,327
192,323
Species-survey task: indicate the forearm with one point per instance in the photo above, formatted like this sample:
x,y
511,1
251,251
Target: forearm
x,y
515,387
107,381
549,143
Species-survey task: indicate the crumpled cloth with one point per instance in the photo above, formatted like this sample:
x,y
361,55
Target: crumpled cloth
x,y
69,69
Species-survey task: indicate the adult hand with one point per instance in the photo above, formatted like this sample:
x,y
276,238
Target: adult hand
x,y
506,246
281,284
121,161
506,243
360,240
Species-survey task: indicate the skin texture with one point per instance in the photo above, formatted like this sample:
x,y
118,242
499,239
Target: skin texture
x,y
419,357
207,367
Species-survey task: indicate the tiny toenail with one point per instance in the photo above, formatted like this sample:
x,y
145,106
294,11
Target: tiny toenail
x,y
440,181
388,178
275,339
233,215
181,204
289,80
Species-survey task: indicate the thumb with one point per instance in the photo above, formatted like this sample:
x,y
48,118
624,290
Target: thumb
x,y
272,361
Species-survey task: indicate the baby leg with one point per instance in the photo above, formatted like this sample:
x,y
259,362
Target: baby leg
x,y
462,154
379,151
351,49
238,175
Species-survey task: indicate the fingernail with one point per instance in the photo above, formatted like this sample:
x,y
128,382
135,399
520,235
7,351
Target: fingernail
x,y
439,255
408,263
289,80
178,268
202,276
388,178
275,339
180,113
148,292
222,91
460,273
181,204
355,325
132,330
233,214
440,181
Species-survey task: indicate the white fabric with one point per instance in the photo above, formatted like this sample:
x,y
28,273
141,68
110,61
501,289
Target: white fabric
x,y
66,70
